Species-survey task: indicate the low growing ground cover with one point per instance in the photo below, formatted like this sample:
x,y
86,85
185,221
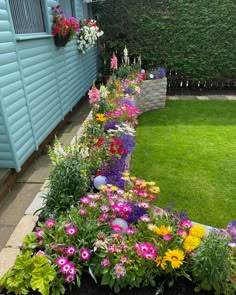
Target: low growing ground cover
x,y
189,149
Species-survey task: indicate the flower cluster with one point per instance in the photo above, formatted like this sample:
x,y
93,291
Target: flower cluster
x,y
63,25
89,33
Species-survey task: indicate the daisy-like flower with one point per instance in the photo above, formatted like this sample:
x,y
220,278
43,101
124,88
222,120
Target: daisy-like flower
x,y
40,252
154,189
143,205
70,250
116,227
65,268
100,118
175,257
50,223
124,259
39,233
83,212
104,208
85,200
60,261
145,218
67,224
191,243
186,223
181,233
85,254
71,231
72,270
197,231
161,262
167,237
162,230
105,262
69,278
130,230
119,270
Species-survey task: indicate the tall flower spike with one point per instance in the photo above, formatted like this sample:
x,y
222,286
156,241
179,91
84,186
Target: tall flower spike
x,y
114,62
126,55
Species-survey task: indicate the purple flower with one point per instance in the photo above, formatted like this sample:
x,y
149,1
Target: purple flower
x,y
127,101
71,231
119,270
136,213
85,254
110,125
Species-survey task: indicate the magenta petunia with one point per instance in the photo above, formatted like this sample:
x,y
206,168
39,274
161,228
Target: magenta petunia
x,y
50,223
85,254
71,231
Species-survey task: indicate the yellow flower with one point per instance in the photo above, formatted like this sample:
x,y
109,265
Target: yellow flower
x,y
160,262
162,230
154,189
175,257
125,175
191,243
197,231
100,117
151,183
114,188
133,178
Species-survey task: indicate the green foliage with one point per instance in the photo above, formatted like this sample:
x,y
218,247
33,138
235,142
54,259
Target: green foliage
x,y
29,273
195,38
211,263
68,181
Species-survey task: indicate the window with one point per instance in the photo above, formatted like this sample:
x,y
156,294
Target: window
x,y
27,16
67,6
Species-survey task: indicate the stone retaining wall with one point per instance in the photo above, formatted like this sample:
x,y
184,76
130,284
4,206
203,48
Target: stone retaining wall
x,y
152,95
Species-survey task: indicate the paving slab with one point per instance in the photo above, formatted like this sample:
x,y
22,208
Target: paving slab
x,y
37,204
7,259
17,201
217,97
202,97
228,97
38,170
5,233
24,227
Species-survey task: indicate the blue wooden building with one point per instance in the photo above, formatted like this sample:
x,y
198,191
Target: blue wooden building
x,y
39,83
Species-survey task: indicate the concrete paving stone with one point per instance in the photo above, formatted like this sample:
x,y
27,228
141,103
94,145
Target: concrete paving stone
x,y
5,233
217,97
228,97
7,259
202,97
37,203
172,98
44,187
24,227
38,170
17,201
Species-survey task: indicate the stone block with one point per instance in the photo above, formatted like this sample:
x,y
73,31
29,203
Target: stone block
x,y
7,259
37,203
44,187
24,227
202,97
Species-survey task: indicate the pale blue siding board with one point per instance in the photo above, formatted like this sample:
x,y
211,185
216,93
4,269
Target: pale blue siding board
x,y
32,62
9,68
7,47
18,131
7,80
3,4
4,147
3,15
17,115
6,37
34,69
25,138
33,96
29,80
15,107
3,137
12,91
36,84
26,149
4,25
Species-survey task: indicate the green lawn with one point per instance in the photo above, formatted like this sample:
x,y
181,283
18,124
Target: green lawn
x,y
189,149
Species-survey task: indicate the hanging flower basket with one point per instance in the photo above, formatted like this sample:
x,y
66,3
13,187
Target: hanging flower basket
x,y
61,41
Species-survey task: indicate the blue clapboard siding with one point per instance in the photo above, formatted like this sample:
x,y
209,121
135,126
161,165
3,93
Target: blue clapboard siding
x,y
39,85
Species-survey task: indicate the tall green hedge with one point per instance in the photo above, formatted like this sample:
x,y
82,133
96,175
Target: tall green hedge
x,y
197,38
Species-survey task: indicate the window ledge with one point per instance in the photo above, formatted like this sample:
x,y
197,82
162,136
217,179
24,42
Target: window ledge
x,y
21,37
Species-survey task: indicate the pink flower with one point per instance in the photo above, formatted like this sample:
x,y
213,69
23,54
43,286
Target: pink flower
x,y
167,237
72,271
85,200
119,270
39,233
71,231
65,268
104,208
69,278
40,252
70,250
143,205
186,223
114,62
130,230
145,218
105,262
146,250
50,223
116,227
83,212
60,261
123,259
53,246
94,95
85,254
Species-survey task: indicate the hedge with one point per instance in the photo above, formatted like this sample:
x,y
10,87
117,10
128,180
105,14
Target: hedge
x,y
194,38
